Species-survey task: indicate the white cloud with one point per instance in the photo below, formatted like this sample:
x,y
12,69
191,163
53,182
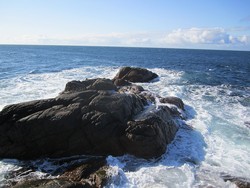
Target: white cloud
x,y
217,38
206,38
198,36
112,39
244,39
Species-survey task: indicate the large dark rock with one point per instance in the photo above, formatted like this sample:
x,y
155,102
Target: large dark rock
x,y
88,117
133,74
149,133
92,84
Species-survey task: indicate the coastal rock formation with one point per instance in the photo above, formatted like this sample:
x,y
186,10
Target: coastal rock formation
x,y
91,173
132,74
89,117
240,182
173,100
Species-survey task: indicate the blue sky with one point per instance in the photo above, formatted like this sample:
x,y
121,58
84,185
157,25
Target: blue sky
x,y
209,24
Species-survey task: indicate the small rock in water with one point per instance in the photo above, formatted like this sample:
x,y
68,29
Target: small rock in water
x,y
247,123
133,74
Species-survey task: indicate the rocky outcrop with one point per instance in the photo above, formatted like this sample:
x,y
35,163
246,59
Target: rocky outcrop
x,y
150,132
92,84
92,173
133,74
240,182
173,100
89,117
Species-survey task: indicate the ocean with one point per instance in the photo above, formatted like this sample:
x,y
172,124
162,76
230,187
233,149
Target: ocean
x,y
214,85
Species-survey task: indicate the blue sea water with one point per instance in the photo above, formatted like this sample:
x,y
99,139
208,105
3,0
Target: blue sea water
x,y
214,85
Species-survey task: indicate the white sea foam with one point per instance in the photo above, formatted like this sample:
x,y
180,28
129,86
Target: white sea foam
x,y
46,85
219,143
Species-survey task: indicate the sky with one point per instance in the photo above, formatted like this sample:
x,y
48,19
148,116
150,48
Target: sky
x,y
199,24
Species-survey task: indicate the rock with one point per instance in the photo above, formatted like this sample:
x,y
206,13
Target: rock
x,y
89,117
92,84
121,82
88,173
93,173
131,89
247,123
173,100
133,74
148,95
240,182
87,122
149,133
50,183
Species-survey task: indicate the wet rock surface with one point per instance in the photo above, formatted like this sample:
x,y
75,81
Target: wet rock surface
x,y
238,181
131,74
72,172
98,117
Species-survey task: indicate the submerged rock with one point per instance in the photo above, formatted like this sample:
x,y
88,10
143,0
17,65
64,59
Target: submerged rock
x,y
89,117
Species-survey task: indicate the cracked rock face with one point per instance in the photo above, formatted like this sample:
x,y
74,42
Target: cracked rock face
x,y
89,117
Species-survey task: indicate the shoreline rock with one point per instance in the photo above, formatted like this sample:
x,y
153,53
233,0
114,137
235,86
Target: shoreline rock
x,y
238,181
81,172
91,117
132,74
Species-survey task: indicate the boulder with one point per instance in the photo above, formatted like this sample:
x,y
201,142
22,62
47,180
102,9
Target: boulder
x,y
92,84
239,181
133,74
173,100
150,133
85,122
88,117
121,82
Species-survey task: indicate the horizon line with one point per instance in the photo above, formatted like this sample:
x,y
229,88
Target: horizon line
x,y
114,46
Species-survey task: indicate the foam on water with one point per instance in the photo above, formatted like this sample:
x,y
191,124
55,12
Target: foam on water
x,y
219,143
46,85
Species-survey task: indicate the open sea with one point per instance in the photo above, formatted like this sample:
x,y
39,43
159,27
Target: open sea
x,y
214,85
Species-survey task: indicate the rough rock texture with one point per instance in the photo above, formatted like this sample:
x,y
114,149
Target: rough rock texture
x,y
133,74
92,173
92,84
240,182
131,89
88,117
150,133
173,100
121,82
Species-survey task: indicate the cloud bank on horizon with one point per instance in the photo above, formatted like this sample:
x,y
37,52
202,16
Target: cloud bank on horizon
x,y
216,38
206,25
